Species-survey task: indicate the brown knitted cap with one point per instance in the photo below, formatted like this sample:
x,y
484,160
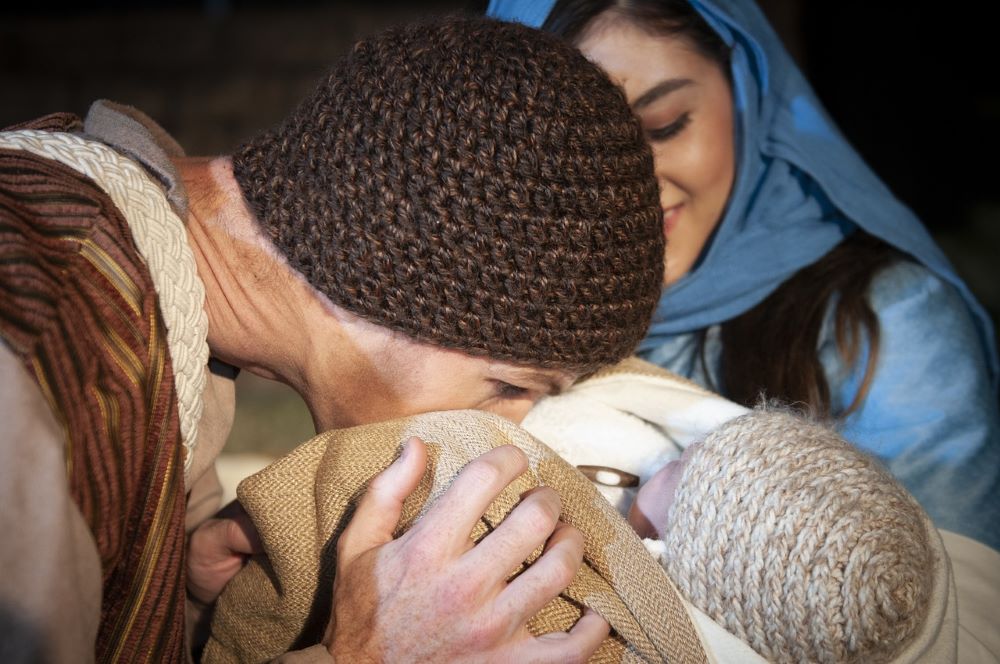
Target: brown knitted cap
x,y
473,184
799,543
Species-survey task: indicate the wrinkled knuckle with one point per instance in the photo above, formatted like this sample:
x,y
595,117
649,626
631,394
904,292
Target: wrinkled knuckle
x,y
485,472
572,539
517,459
459,597
550,496
514,454
414,554
380,484
485,630
564,567
539,515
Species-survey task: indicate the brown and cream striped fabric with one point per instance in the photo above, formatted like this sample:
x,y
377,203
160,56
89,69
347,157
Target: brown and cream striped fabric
x,y
78,307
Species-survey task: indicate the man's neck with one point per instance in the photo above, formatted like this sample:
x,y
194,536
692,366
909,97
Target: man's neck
x,y
250,303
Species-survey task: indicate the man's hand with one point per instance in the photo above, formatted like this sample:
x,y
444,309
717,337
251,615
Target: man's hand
x,y
217,550
432,595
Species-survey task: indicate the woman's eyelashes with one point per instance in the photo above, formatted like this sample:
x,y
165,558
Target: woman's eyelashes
x,y
667,132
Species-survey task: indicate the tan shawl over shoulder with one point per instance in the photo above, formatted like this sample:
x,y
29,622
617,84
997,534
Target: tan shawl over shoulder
x,y
301,503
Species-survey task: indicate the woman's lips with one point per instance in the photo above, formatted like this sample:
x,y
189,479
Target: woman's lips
x,y
670,217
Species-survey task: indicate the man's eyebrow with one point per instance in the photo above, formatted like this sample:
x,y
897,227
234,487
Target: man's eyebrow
x,y
659,90
553,385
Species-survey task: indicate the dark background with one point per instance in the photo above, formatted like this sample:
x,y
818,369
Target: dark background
x,y
914,87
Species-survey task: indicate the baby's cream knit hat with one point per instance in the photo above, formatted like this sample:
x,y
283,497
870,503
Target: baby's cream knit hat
x,y
798,543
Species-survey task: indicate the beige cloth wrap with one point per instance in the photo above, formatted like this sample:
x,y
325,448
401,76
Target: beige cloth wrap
x,y
301,503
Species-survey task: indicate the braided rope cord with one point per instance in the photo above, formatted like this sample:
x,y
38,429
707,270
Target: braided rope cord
x,y
161,240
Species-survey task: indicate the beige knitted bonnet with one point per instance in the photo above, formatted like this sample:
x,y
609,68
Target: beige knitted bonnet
x,y
798,543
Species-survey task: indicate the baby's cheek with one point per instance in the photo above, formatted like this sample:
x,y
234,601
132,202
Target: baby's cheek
x,y
649,512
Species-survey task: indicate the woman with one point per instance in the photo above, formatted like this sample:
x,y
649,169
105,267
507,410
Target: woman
x,y
791,271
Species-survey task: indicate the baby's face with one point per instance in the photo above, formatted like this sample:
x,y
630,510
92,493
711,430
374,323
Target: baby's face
x,y
648,514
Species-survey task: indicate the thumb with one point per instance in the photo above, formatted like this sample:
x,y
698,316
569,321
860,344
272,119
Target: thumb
x,y
237,531
379,509
241,535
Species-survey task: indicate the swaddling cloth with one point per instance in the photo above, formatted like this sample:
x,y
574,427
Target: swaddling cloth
x,y
625,423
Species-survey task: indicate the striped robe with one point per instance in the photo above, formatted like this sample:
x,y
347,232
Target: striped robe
x,y
78,308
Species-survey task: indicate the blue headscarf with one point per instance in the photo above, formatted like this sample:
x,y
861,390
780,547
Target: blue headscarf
x,y
799,190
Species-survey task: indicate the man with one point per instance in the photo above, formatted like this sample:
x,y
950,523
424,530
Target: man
x,y
447,222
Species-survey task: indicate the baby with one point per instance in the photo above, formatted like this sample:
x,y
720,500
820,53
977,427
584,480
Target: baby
x,y
793,540
774,526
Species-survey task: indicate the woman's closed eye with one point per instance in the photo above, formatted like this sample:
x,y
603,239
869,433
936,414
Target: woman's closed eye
x,y
666,132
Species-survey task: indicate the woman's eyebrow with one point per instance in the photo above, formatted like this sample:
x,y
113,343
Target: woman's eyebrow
x,y
659,90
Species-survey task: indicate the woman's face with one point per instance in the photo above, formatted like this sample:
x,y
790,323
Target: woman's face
x,y
685,104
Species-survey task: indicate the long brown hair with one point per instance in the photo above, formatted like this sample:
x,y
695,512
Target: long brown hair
x,y
770,351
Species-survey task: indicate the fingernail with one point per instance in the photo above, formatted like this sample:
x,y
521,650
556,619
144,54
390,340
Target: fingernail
x,y
407,449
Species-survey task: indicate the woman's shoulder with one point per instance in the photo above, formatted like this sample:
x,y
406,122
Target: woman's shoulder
x,y
907,291
924,324
904,279
930,412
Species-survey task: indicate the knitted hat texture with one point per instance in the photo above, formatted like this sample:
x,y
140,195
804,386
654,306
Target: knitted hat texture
x,y
798,543
473,184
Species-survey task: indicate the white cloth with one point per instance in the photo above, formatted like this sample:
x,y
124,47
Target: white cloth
x,y
977,579
634,418
637,417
